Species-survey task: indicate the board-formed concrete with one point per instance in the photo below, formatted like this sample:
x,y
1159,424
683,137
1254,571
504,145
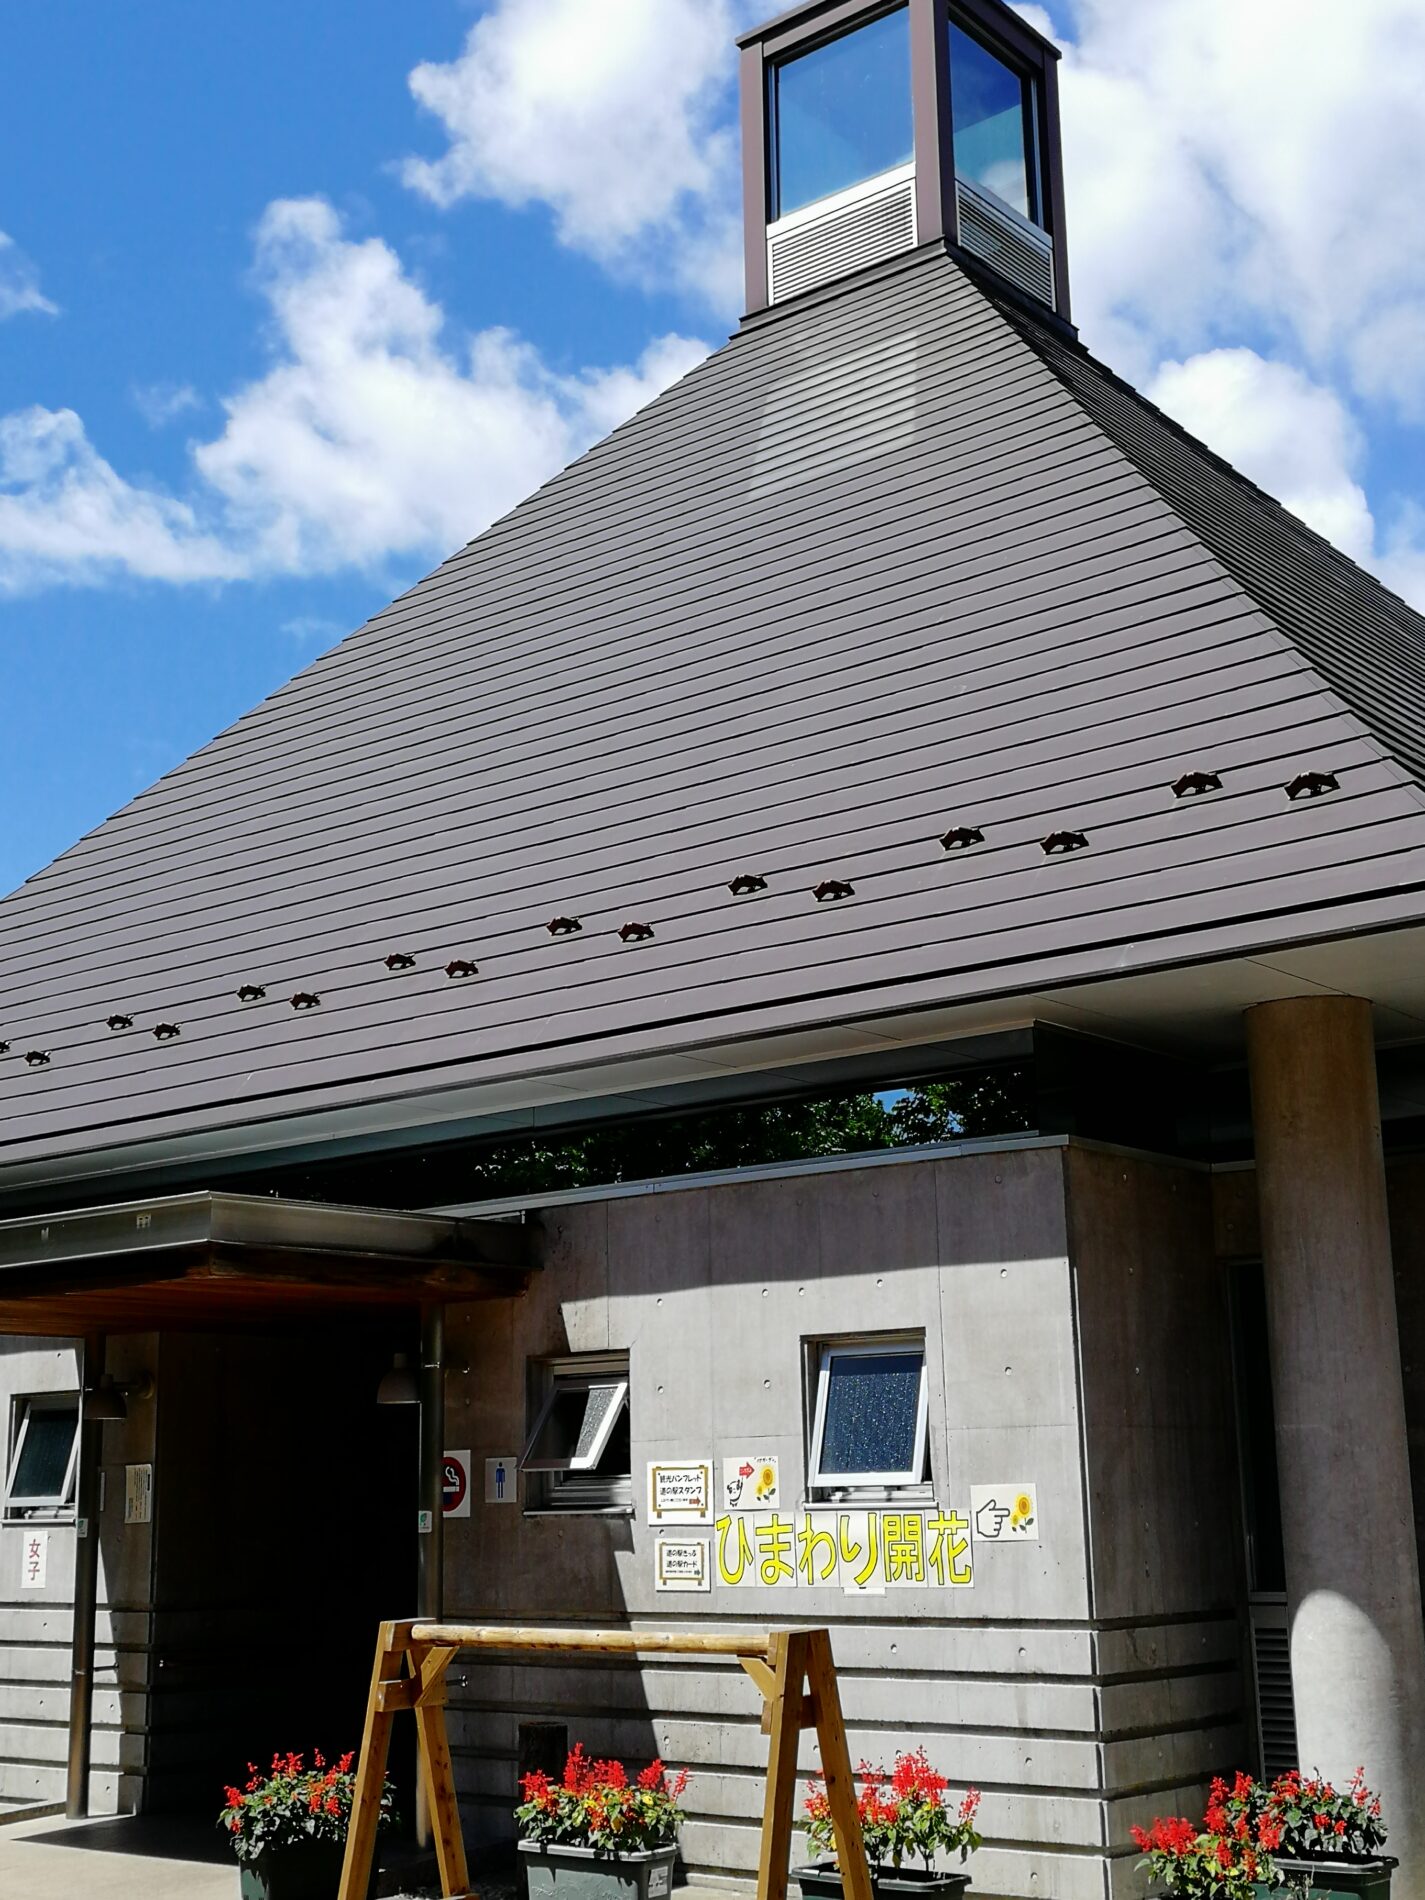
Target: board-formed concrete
x,y
1085,1681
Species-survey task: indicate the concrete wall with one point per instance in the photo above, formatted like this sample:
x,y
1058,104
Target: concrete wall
x,y
36,1626
1165,1529
1076,1693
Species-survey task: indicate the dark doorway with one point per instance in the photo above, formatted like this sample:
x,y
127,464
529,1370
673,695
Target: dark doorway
x,y
284,1515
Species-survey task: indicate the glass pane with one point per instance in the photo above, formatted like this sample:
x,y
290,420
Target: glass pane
x,y
572,1427
597,1401
842,113
872,1408
44,1455
987,111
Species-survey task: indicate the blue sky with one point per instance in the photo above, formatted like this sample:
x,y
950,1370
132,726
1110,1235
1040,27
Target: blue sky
x,y
285,323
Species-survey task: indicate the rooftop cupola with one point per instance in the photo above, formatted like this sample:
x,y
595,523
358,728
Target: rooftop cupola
x,y
869,129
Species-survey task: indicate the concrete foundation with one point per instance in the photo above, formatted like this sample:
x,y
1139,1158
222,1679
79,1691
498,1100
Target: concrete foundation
x,y
1353,1584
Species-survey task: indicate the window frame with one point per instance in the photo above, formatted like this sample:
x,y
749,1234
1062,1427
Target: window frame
x,y
59,1508
838,1485
835,28
564,1486
1031,78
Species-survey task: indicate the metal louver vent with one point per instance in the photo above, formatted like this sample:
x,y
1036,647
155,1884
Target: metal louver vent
x,y
855,228
1018,250
1276,1708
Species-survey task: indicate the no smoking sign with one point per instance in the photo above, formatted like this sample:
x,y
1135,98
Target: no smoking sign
x,y
455,1484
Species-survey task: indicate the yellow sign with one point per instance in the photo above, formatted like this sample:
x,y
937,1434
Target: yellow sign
x,y
860,1552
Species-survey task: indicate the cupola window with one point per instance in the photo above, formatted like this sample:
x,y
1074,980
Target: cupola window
x,y
841,113
992,117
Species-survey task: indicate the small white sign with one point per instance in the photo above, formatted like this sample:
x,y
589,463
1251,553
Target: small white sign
x,y
455,1484
750,1482
1005,1513
34,1560
138,1494
680,1492
502,1479
682,1563
425,1523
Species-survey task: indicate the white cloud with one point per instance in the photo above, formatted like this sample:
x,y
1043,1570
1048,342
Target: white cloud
x,y
1231,166
65,515
617,114
1297,440
313,630
1293,437
160,403
20,283
373,434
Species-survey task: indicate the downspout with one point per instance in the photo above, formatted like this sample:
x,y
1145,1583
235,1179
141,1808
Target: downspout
x,y
86,1584
431,1541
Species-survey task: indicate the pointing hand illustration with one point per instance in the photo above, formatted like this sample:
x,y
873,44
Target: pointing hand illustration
x,y
989,1519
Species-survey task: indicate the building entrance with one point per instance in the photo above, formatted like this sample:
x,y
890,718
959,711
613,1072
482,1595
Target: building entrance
x,y
279,1484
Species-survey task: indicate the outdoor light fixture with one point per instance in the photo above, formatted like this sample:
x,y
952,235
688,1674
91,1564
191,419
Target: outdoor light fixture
x,y
400,1385
109,1401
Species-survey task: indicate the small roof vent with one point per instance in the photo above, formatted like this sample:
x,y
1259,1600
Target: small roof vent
x,y
166,1032
461,966
119,1022
635,933
1196,784
37,1058
399,960
832,889
1059,843
1312,785
961,837
747,882
563,926
306,999
252,992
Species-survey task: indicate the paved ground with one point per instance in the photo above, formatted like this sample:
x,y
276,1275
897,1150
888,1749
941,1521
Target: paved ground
x,y
122,1860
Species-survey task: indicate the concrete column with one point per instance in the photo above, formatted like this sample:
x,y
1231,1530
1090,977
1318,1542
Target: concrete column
x,y
1352,1568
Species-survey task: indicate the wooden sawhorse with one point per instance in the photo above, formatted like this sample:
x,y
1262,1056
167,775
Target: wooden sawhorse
x,y
793,1669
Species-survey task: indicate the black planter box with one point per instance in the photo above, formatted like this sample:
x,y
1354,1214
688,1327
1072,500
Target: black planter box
x,y
1330,1879
822,1881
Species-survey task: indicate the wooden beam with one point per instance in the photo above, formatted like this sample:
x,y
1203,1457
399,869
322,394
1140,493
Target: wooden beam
x,y
598,1642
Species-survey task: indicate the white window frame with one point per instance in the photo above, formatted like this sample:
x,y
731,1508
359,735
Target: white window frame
x,y
864,1346
60,1507
574,1484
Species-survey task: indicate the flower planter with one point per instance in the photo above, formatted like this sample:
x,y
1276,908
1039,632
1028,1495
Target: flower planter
x,y
822,1881
556,1872
309,1872
1330,1879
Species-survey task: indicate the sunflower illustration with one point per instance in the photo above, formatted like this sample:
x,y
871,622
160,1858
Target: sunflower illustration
x,y
1022,1516
766,1481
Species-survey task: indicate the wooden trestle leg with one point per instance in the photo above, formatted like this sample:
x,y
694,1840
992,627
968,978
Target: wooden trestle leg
x,y
798,1683
406,1675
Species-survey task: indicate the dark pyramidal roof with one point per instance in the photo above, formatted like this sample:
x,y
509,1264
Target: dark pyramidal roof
x,y
899,561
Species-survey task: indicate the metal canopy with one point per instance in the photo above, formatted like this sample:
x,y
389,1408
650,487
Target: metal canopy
x,y
203,1262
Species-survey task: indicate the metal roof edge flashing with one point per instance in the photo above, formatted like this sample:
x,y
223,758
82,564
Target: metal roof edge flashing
x,y
505,1204
807,10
